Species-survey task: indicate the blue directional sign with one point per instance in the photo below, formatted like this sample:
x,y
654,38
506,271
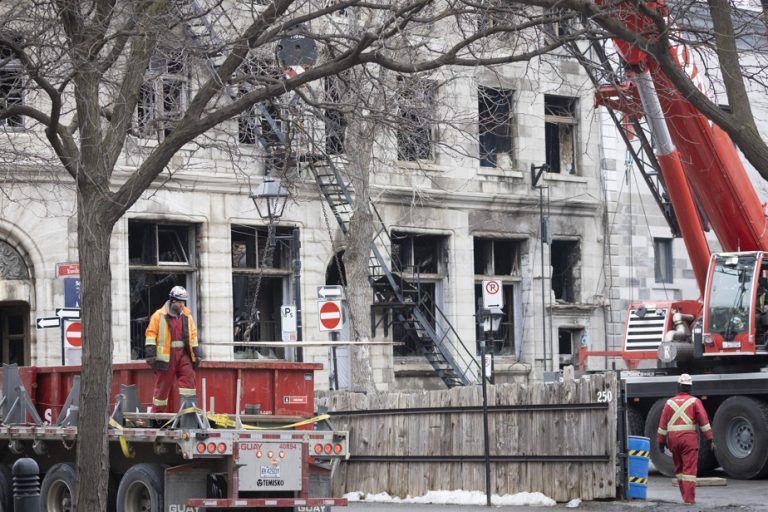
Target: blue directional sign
x,y
71,292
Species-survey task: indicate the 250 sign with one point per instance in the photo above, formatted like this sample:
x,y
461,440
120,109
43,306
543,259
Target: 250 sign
x,y
604,396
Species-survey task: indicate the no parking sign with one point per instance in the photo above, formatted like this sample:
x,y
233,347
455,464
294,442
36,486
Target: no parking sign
x,y
492,296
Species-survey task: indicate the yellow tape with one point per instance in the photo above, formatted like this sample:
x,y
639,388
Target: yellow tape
x,y
224,420
128,451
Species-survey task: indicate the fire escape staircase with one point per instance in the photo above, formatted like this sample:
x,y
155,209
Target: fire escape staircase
x,y
438,341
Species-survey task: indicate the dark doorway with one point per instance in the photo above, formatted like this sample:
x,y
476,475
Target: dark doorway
x,y
336,274
14,333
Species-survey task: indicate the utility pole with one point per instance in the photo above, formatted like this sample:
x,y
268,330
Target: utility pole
x,y
536,173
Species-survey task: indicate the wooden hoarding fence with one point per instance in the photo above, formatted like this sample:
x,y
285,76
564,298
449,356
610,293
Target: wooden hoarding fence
x,y
559,439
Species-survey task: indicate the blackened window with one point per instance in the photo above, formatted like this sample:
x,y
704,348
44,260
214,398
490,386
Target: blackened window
x,y
560,126
335,120
415,107
494,107
163,96
262,120
261,271
565,257
160,256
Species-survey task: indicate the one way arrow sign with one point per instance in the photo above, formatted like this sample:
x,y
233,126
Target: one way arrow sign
x,y
330,292
68,312
48,321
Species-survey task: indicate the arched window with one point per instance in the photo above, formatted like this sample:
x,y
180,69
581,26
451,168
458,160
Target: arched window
x,y
12,265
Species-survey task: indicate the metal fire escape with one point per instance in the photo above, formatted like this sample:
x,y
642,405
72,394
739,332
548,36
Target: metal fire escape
x,y
394,294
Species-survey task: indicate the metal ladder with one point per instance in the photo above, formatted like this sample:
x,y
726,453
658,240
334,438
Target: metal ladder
x,y
438,341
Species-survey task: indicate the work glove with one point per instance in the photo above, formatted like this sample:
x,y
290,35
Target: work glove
x,y
198,357
661,447
150,354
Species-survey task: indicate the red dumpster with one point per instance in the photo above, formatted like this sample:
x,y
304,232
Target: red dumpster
x,y
277,387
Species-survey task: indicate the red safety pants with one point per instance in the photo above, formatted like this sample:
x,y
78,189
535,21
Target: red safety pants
x,y
179,366
685,454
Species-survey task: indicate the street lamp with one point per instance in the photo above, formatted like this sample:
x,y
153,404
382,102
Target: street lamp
x,y
536,174
489,320
270,199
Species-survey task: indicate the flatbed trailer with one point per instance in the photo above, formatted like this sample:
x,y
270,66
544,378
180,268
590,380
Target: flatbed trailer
x,y
194,460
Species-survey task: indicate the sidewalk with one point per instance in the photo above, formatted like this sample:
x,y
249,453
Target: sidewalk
x,y
663,495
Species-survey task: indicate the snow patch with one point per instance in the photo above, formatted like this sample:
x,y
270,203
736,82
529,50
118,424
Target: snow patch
x,y
461,498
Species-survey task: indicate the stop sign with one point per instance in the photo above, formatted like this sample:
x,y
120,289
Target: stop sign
x,y
73,334
330,315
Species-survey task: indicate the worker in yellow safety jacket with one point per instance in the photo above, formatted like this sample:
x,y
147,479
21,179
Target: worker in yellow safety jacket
x,y
171,349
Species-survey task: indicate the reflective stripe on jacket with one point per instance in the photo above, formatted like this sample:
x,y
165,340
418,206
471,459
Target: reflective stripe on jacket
x,y
159,333
683,413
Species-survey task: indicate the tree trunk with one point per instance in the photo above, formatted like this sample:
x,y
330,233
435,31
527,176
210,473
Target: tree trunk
x,y
93,236
358,251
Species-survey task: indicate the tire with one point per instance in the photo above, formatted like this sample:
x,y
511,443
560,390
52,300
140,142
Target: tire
x,y
662,460
707,459
142,489
58,489
741,437
635,422
6,489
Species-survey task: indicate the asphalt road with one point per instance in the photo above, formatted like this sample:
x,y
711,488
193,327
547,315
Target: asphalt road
x,y
663,496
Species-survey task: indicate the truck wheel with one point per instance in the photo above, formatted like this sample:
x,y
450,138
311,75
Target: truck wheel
x,y
635,422
707,460
142,489
58,489
662,460
741,437
6,489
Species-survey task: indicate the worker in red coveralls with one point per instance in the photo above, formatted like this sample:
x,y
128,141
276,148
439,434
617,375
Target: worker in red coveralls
x,y
681,418
171,349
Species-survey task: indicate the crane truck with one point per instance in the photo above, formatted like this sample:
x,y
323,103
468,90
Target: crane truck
x,y
722,337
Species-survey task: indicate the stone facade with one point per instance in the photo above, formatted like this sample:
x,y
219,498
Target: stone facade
x,y
593,214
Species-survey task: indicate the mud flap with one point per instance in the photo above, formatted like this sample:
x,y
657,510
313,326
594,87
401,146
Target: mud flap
x,y
183,483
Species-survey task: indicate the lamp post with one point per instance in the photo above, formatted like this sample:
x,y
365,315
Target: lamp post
x,y
489,319
536,173
270,199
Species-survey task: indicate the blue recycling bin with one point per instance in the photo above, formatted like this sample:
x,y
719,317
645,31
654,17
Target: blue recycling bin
x,y
639,449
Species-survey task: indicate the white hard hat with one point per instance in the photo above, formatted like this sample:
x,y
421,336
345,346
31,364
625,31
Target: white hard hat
x,y
685,379
179,293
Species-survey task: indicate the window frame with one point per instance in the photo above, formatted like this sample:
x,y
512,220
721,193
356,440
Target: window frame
x,y
567,117
279,275
157,272
334,119
569,286
662,255
11,66
152,115
500,132
415,135
506,343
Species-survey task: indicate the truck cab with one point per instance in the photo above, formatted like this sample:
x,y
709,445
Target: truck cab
x,y
734,321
